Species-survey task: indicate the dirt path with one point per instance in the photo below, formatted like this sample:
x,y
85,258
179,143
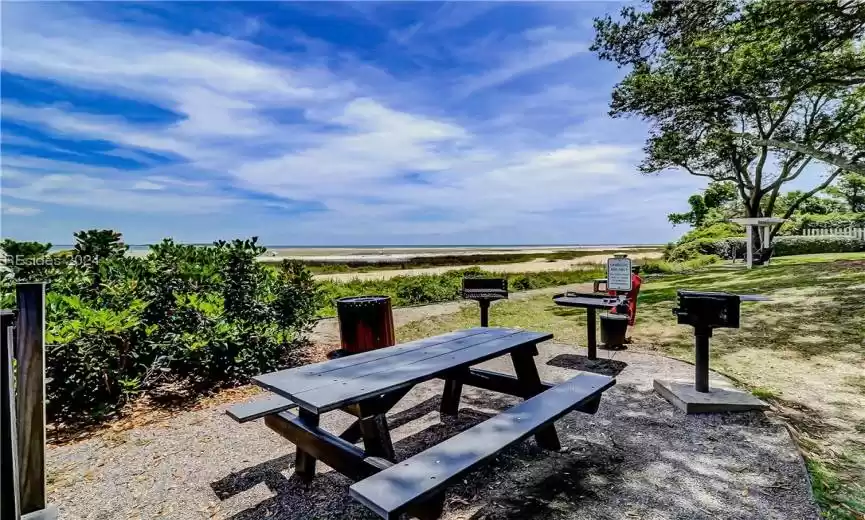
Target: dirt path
x,y
533,266
325,335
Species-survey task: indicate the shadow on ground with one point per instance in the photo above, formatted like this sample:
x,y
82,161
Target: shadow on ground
x,y
607,367
637,458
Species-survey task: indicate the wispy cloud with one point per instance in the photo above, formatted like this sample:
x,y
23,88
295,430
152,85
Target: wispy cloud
x,y
21,211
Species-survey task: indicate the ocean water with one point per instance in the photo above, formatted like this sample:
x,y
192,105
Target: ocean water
x,y
144,248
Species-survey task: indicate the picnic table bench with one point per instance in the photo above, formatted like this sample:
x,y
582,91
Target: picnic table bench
x,y
368,385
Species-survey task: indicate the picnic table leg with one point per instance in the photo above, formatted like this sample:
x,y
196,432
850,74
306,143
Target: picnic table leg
x,y
304,463
527,374
451,397
351,434
452,391
375,433
592,343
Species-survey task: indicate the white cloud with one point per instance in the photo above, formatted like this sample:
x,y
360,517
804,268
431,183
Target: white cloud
x,y
20,211
535,50
147,186
94,193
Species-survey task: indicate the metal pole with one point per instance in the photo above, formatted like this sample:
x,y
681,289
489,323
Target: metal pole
x,y
701,359
485,312
10,506
592,332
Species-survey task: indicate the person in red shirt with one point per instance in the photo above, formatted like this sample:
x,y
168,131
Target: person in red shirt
x,y
631,306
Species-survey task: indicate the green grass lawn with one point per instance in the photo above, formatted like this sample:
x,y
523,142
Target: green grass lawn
x,y
804,351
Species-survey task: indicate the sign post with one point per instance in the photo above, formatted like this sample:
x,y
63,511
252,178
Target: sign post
x,y
619,274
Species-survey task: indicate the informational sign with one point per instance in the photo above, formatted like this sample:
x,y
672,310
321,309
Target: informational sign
x,y
619,274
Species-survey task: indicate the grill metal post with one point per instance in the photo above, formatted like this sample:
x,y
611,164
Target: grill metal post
x,y
484,291
485,312
701,359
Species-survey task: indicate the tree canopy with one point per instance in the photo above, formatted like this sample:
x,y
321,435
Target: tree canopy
x,y
747,92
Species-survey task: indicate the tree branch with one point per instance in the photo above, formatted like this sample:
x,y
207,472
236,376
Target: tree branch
x,y
827,157
805,196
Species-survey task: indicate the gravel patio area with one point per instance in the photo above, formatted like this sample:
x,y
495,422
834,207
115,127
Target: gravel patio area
x,y
637,458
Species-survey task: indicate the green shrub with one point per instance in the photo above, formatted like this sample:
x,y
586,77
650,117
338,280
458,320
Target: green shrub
x,y
714,232
424,289
793,245
193,315
692,250
804,245
665,267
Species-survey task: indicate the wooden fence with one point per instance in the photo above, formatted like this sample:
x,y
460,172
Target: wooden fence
x,y
22,414
847,232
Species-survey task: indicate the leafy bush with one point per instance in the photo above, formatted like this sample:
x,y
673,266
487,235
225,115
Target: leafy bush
x,y
418,290
714,232
701,241
802,245
690,250
199,316
665,267
792,245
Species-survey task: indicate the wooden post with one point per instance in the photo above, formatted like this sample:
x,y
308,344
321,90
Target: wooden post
x,y
749,246
9,506
30,353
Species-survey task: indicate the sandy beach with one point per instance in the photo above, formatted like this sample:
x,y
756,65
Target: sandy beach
x,y
399,254
532,266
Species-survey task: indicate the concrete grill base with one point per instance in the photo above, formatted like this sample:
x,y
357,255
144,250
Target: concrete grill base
x,y
684,397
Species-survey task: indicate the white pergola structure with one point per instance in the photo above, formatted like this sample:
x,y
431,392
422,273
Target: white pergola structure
x,y
764,226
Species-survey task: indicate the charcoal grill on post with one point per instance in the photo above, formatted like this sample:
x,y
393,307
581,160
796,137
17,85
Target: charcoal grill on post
x,y
706,311
365,323
484,291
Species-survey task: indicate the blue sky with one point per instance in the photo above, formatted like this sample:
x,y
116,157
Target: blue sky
x,y
321,124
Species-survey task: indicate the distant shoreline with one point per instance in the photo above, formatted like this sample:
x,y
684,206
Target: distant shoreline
x,y
431,247
395,254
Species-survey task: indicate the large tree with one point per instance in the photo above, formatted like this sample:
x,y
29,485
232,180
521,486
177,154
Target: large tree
x,y
749,92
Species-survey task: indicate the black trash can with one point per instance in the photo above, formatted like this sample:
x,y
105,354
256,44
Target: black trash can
x,y
614,328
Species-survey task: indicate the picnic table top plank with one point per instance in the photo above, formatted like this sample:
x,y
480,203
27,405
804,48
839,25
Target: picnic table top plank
x,y
326,393
295,381
392,490
392,378
336,364
584,302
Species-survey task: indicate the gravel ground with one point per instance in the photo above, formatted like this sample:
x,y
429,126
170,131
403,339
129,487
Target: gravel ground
x,y
637,458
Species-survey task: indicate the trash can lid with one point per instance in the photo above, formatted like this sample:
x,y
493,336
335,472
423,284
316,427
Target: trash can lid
x,y
608,316
362,300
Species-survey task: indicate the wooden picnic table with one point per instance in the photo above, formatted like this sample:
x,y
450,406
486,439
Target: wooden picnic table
x,y
590,303
369,384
